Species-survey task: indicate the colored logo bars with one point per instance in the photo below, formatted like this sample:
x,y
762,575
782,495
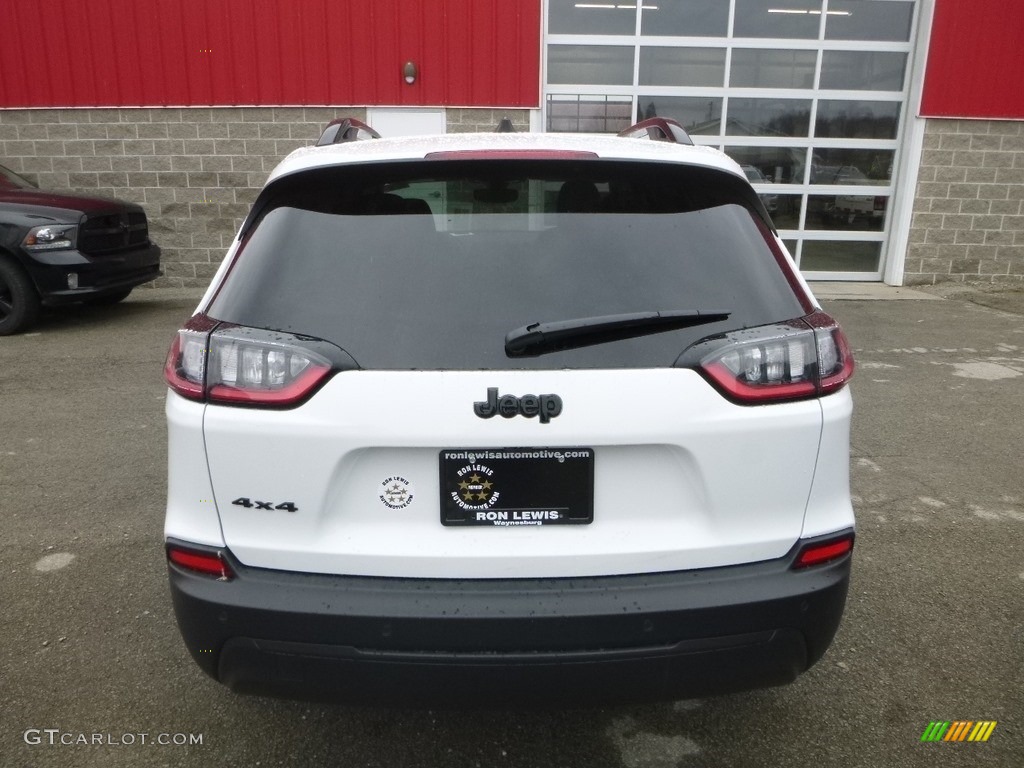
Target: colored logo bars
x,y
958,730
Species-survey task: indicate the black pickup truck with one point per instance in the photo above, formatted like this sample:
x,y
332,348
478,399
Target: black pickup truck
x,y
61,248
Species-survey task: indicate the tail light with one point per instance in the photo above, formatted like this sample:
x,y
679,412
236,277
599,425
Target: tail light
x,y
248,366
801,359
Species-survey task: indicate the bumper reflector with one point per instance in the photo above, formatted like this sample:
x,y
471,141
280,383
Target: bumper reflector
x,y
208,563
816,554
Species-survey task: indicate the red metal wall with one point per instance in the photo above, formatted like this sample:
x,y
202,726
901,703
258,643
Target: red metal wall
x,y
975,60
69,53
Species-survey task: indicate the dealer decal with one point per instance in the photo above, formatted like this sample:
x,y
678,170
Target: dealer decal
x,y
396,492
476,489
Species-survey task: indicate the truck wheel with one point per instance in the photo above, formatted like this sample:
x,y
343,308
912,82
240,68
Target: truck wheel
x,y
19,302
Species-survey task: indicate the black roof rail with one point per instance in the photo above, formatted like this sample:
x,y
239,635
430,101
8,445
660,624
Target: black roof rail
x,y
658,129
346,129
505,126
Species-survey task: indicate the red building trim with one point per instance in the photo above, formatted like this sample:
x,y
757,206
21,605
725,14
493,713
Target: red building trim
x,y
975,60
120,53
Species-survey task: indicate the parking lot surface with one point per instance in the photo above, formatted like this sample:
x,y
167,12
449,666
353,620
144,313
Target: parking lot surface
x,y
93,672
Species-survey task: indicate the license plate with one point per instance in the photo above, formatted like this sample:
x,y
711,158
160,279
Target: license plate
x,y
514,487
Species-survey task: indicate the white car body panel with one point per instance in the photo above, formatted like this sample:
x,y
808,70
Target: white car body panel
x,y
683,478
191,509
418,147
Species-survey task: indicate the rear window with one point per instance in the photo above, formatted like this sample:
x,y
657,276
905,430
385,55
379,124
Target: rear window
x,y
428,265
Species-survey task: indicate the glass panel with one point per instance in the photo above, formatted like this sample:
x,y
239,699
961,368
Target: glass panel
x,y
700,116
856,212
685,18
756,68
863,70
851,166
784,209
791,247
768,117
778,165
777,18
571,17
868,20
620,237
857,119
682,66
590,64
589,114
840,256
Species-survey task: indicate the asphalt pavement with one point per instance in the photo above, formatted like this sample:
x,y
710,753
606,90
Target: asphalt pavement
x,y
934,627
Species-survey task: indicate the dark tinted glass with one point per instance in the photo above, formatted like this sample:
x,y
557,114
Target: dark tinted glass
x,y
776,165
851,166
768,117
430,265
586,113
857,119
699,115
840,256
784,209
849,212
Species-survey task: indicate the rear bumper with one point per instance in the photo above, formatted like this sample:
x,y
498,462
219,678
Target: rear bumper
x,y
413,642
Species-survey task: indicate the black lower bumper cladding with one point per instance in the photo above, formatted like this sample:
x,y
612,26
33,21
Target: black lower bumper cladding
x,y
467,643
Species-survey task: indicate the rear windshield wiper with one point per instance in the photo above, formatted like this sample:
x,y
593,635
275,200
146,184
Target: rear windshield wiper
x,y
540,338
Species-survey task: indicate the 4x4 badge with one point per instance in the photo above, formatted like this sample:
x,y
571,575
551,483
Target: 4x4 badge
x,y
545,406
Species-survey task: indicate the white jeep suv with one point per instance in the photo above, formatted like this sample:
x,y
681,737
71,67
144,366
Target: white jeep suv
x,y
508,417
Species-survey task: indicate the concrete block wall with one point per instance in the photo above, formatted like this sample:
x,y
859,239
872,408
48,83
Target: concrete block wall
x,y
195,171
968,221
485,120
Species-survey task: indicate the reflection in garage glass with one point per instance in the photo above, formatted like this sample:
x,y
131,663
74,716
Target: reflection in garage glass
x,y
770,18
863,70
768,117
756,68
840,256
778,165
847,211
698,115
868,20
857,119
851,166
663,65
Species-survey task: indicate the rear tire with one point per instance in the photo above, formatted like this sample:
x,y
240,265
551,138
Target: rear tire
x,y
109,298
19,302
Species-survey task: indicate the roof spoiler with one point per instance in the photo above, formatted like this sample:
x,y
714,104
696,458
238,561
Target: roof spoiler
x,y
658,129
346,129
